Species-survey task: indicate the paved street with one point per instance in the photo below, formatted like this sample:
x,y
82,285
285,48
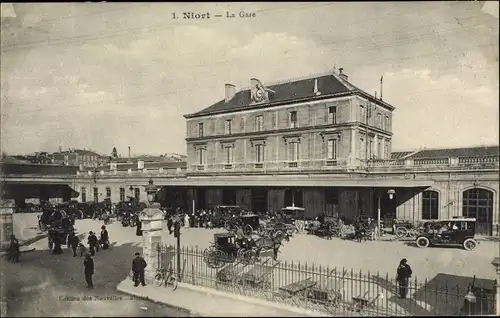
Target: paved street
x,y
382,256
46,285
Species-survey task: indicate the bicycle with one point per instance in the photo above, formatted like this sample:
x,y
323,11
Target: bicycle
x,y
166,277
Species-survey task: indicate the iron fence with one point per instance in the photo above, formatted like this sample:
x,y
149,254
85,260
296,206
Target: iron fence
x,y
333,291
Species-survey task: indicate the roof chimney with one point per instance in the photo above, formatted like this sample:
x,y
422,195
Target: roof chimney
x,y
316,90
342,75
230,92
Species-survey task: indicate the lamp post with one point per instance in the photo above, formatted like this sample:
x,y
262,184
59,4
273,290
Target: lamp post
x,y
390,193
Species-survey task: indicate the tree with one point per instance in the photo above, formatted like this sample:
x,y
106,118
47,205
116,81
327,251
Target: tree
x,y
114,153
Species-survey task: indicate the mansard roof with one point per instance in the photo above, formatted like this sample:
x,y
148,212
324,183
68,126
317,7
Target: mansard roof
x,y
302,90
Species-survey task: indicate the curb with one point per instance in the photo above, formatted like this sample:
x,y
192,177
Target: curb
x,y
255,301
138,294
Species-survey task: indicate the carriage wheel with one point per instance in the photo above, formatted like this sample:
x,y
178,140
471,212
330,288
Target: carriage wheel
x,y
278,235
229,225
239,253
401,231
247,229
249,257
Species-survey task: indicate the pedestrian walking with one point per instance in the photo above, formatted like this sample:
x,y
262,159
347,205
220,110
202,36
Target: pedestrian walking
x,y
88,265
104,238
73,242
138,267
138,230
92,242
170,223
404,273
14,249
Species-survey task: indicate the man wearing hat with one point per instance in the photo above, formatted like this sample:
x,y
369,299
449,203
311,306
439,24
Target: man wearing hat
x,y
404,273
138,267
88,265
73,242
92,241
104,238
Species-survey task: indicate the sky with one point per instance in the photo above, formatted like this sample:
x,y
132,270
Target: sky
x,y
103,75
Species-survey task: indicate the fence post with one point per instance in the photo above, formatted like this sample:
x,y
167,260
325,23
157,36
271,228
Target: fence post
x,y
152,224
497,298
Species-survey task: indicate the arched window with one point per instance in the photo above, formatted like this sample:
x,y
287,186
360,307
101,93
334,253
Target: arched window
x,y
478,203
430,205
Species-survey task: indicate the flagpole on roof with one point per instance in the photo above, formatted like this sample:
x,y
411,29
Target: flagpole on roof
x,y
381,86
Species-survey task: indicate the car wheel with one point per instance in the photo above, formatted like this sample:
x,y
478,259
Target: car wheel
x,y
423,242
470,244
401,232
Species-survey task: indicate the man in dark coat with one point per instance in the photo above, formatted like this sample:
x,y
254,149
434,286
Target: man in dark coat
x,y
104,238
73,241
138,230
93,244
14,249
138,267
404,273
88,264
170,223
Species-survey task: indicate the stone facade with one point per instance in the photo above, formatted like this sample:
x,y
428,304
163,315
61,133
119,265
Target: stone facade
x,y
313,130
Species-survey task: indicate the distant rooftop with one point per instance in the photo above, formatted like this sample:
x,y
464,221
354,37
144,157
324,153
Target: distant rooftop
x,y
84,152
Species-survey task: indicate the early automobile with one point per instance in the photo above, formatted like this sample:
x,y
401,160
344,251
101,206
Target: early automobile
x,y
449,232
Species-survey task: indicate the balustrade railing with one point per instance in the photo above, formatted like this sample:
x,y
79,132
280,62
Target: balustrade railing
x,y
431,161
478,160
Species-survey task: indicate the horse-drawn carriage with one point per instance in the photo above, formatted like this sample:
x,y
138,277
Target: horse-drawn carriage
x,y
248,222
231,248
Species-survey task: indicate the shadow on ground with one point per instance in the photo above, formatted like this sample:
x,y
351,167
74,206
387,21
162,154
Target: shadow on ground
x,y
38,284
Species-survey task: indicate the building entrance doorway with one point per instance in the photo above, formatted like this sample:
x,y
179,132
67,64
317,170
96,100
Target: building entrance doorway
x,y
478,203
259,200
228,196
293,197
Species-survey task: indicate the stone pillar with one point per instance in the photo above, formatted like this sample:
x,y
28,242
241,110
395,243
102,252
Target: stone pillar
x,y
152,224
7,224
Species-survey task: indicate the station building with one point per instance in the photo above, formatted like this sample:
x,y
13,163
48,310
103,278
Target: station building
x,y
319,143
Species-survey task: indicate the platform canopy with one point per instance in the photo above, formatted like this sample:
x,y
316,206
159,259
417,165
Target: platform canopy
x,y
300,182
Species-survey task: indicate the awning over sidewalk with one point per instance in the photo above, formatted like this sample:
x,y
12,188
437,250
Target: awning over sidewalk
x,y
297,182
